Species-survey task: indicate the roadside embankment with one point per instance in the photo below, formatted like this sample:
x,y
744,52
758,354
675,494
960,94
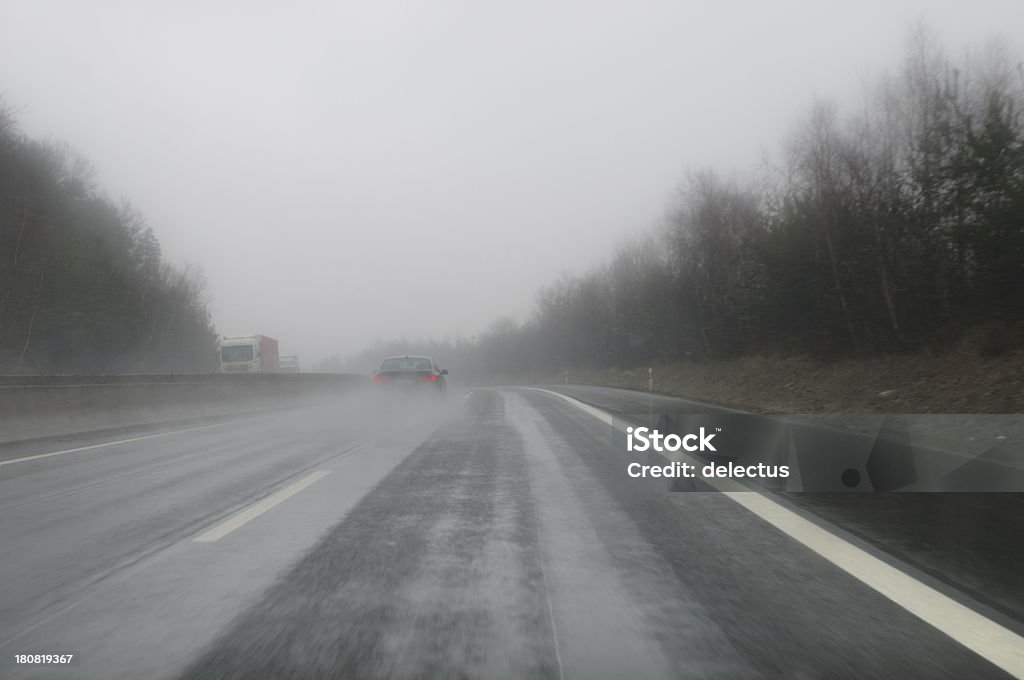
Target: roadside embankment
x,y
32,407
953,382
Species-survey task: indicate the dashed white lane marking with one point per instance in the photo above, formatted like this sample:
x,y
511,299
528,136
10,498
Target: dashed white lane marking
x,y
981,635
253,511
121,441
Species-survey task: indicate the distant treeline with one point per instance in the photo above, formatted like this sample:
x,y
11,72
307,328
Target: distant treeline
x,y
83,287
894,229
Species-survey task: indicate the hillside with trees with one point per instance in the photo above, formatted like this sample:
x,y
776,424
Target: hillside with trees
x,y
83,286
893,230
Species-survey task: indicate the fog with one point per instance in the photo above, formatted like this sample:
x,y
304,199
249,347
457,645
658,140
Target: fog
x,y
349,172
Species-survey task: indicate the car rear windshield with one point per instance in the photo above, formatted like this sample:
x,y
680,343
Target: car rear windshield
x,y
407,364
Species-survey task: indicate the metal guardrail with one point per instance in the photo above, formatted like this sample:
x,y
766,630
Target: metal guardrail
x,y
179,378
42,406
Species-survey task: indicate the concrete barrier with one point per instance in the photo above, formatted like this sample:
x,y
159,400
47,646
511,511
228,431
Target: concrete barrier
x,y
33,407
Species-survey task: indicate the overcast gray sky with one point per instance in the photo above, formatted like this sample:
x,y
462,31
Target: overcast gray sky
x,y
346,171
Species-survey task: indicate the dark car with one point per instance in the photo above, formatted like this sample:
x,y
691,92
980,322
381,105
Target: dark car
x,y
412,373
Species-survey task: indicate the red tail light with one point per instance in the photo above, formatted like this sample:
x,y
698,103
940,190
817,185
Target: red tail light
x,y
379,379
428,378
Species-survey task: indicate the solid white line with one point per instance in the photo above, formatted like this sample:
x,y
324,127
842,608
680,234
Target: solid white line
x,y
252,512
120,441
981,635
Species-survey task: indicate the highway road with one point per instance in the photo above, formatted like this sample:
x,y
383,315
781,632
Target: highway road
x,y
494,535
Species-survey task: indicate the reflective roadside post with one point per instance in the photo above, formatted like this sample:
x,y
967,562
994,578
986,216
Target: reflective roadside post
x,y
650,379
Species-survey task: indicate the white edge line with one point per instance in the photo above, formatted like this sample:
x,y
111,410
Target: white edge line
x,y
253,511
121,441
986,638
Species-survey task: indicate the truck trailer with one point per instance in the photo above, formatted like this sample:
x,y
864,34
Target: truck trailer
x,y
248,354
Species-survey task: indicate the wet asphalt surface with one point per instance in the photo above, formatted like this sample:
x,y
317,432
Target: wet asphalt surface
x,y
492,536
